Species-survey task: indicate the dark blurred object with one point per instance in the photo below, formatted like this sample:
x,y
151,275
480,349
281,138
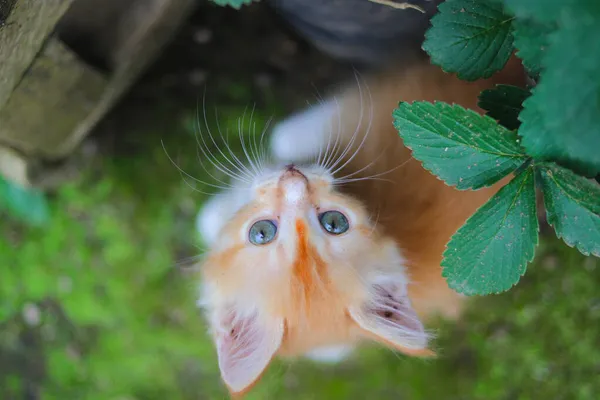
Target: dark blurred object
x,y
64,65
360,31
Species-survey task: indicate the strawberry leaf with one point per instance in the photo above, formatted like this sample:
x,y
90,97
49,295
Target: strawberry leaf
x,y
469,37
463,148
490,252
573,207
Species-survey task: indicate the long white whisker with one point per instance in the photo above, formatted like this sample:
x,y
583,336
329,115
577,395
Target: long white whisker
x,y
187,174
330,151
372,176
252,140
366,135
263,148
204,147
243,142
208,172
342,183
356,131
239,165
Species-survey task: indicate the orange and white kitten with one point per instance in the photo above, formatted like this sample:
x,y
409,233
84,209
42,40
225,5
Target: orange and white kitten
x,y
312,257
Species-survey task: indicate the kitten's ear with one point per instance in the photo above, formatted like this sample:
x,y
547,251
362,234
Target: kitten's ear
x,y
245,347
389,318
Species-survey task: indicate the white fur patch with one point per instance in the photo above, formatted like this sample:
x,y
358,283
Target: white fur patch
x,y
330,354
301,136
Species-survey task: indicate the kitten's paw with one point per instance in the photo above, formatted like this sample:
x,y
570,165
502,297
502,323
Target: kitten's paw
x,y
301,136
330,354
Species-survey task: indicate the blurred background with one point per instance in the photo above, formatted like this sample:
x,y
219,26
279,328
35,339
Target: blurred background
x,y
97,236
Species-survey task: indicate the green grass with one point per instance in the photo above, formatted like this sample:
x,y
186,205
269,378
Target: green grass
x,y
117,318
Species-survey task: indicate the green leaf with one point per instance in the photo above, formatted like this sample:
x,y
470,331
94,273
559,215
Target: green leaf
x,y
28,205
504,103
463,148
573,207
237,4
561,120
532,41
547,10
490,252
472,38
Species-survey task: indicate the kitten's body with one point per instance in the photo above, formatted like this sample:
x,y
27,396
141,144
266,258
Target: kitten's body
x,y
311,289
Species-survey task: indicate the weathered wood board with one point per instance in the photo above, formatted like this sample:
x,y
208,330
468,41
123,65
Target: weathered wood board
x,y
56,93
24,27
51,96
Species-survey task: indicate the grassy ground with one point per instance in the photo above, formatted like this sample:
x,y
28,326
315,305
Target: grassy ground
x,y
100,303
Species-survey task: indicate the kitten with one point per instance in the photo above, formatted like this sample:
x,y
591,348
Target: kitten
x,y
313,257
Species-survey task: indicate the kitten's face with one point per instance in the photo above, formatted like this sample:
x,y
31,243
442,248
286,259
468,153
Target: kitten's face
x,y
300,266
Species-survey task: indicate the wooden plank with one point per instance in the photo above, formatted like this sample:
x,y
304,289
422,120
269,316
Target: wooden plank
x,y
57,92
142,30
61,98
24,27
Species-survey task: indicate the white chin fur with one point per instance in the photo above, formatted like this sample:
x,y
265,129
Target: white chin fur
x,y
330,354
301,136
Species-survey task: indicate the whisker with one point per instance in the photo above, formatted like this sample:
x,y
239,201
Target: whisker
x,y
366,135
243,142
207,171
206,149
241,167
196,189
182,263
321,102
374,176
329,156
263,147
184,173
252,140
350,143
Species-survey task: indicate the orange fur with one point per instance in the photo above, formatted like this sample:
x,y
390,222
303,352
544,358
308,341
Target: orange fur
x,y
311,279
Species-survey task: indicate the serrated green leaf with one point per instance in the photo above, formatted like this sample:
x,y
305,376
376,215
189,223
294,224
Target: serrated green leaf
x,y
532,41
561,120
237,4
573,208
463,148
470,37
504,103
490,252
28,205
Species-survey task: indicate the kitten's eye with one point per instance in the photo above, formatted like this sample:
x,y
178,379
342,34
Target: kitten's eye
x,y
334,222
262,232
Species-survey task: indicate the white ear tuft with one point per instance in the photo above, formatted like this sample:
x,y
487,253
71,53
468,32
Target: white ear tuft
x,y
216,211
245,347
389,318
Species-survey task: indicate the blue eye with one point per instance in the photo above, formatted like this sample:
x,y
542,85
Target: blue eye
x,y
262,232
334,222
